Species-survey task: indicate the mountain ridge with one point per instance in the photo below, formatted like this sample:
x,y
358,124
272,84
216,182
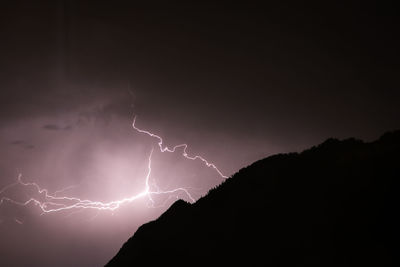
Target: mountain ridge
x,y
331,204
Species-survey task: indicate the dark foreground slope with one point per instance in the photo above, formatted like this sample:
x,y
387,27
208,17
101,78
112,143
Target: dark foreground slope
x,y
334,204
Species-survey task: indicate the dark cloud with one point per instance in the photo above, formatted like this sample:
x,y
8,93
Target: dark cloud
x,y
55,127
17,142
23,144
52,127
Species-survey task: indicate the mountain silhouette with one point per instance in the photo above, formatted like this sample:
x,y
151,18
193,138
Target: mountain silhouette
x,y
334,204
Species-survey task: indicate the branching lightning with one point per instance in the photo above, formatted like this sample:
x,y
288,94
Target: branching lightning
x,y
184,146
50,203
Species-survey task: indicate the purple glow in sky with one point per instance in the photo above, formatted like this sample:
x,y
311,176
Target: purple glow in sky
x,y
56,203
109,181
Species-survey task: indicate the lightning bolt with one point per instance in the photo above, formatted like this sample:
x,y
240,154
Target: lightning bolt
x,y
184,146
49,203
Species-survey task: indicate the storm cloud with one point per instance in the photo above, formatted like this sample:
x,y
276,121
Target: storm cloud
x,y
235,82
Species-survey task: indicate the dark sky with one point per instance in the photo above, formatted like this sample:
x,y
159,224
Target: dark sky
x,y
235,82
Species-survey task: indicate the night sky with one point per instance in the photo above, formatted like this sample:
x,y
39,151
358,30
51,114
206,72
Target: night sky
x,y
235,82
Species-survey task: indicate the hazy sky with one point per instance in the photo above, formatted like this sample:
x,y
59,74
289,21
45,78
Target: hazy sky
x,y
235,82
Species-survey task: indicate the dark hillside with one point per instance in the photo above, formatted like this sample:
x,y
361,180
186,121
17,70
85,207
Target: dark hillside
x,y
333,204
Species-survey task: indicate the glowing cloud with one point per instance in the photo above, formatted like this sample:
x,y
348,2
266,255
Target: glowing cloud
x,y
49,203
